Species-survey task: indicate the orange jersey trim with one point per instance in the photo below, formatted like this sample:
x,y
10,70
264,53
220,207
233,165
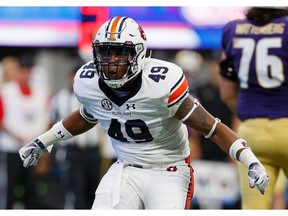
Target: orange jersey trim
x,y
181,89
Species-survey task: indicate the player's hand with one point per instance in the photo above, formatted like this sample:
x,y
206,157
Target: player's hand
x,y
31,153
258,176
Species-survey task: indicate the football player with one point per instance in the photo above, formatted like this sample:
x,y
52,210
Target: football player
x,y
144,106
254,84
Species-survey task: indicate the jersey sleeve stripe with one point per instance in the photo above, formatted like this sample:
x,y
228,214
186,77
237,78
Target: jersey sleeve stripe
x,y
179,99
178,90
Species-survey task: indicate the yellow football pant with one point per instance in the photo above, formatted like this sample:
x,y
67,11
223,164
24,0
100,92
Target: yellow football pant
x,y
268,140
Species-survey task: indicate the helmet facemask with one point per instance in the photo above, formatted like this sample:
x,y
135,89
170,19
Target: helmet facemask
x,y
116,63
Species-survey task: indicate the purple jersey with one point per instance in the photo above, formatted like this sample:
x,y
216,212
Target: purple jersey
x,y
260,57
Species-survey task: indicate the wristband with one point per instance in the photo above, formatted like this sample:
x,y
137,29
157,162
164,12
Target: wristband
x,y
56,133
61,132
236,146
246,157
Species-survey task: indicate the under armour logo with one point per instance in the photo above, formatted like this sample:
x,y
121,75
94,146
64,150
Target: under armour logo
x,y
60,134
128,106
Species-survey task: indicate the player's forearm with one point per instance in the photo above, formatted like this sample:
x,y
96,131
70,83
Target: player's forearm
x,y
231,103
76,124
233,145
229,93
224,137
70,126
212,128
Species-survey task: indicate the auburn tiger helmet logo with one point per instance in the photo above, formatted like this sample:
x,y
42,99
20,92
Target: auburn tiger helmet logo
x,y
142,33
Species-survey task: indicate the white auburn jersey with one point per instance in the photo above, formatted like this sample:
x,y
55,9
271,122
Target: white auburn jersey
x,y
141,125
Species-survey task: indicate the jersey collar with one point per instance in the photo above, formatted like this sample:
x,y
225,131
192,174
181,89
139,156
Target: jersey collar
x,y
119,101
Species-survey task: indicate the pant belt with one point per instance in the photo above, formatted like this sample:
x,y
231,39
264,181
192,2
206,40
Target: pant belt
x,y
141,166
187,160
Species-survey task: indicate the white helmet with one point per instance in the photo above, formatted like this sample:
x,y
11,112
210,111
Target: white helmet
x,y
126,37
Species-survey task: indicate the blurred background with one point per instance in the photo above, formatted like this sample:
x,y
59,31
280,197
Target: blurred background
x,y
188,36
55,34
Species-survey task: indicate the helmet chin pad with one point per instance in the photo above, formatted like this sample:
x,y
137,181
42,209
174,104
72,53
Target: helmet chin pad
x,y
115,84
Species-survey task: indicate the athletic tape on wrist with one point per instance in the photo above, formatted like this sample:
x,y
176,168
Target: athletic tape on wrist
x,y
247,157
213,128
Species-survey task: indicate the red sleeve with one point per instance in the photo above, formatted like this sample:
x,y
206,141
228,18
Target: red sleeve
x,y
1,109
